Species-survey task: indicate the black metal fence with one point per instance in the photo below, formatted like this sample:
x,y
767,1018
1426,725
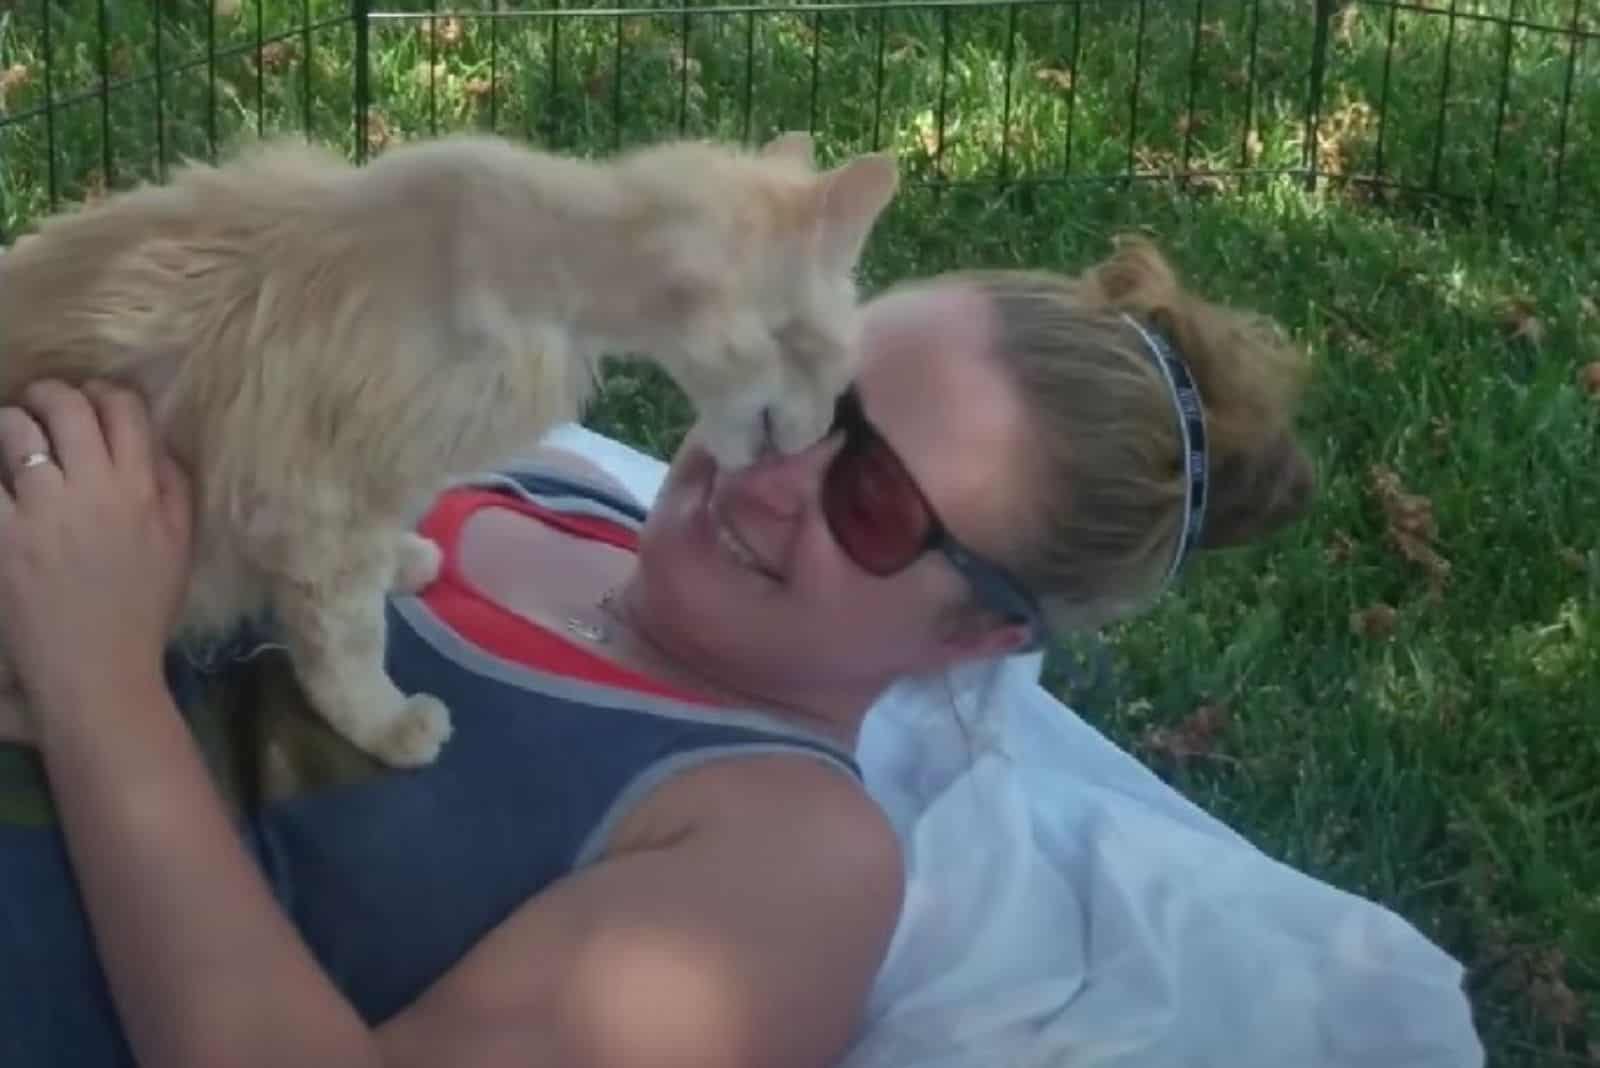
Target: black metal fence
x,y
1493,103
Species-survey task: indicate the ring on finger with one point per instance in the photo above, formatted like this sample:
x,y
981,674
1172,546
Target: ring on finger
x,y
34,459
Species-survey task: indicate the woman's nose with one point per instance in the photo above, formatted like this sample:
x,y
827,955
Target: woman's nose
x,y
783,484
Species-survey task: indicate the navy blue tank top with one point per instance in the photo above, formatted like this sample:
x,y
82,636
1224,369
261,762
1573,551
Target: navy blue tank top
x,y
392,876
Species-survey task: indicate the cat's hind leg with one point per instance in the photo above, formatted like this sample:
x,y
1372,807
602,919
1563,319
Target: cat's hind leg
x,y
331,611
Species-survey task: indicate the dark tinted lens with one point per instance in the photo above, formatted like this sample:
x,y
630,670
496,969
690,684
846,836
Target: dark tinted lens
x,y
873,507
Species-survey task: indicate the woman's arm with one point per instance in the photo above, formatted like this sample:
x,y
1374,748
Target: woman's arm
x,y
203,965
731,935
742,931
745,941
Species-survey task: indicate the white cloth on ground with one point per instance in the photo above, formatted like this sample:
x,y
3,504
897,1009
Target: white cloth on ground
x,y
1065,907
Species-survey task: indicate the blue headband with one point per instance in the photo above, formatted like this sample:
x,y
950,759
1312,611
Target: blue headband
x,y
1192,429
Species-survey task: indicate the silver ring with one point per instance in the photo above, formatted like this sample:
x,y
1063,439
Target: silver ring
x,y
33,459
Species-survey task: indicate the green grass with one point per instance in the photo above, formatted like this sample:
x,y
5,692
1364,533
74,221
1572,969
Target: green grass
x,y
1450,767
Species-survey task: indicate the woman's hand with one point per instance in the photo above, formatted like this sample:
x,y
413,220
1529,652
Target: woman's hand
x,y
94,543
94,557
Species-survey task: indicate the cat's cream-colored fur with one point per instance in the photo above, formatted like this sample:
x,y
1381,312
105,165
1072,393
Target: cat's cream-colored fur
x,y
326,346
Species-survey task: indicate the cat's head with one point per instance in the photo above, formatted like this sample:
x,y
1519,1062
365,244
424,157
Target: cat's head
x,y
763,271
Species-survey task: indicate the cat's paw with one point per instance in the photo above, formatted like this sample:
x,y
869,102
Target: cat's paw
x,y
416,563
415,735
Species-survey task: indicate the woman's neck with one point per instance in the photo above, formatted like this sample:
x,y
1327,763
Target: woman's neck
x,y
584,590
652,646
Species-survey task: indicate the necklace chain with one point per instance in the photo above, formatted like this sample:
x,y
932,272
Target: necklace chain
x,y
590,631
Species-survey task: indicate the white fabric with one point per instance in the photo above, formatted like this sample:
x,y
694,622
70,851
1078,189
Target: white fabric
x,y
1067,908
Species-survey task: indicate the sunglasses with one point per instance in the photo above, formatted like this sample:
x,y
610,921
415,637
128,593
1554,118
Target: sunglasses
x,y
884,523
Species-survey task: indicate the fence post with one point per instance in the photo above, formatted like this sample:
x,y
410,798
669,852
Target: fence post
x,y
360,12
1314,83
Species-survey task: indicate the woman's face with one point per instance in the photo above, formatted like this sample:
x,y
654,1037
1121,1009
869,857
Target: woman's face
x,y
739,575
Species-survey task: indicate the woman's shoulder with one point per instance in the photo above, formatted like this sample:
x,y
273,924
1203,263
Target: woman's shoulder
x,y
817,806
756,897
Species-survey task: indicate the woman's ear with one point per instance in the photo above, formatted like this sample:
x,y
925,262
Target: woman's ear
x,y
972,634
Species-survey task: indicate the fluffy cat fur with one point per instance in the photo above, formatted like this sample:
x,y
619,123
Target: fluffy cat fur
x,y
324,347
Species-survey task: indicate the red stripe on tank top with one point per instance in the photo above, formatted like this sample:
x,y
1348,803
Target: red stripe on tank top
x,y
499,631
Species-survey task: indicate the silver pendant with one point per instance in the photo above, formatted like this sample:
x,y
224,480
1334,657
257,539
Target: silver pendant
x,y
592,632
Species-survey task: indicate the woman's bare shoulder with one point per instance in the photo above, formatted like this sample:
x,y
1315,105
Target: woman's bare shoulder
x,y
822,815
749,907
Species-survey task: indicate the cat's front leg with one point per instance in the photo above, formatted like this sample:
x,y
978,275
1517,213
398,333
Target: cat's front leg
x,y
416,562
331,611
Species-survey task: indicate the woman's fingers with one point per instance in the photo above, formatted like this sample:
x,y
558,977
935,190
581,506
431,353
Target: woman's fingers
x,y
126,425
25,451
96,562
174,491
71,423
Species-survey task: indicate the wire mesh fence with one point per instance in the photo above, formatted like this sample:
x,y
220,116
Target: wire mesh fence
x,y
1494,103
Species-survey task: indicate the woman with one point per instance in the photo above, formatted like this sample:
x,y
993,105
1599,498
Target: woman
x,y
647,843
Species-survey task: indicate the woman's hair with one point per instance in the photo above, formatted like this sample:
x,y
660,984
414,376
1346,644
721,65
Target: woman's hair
x,y
1108,449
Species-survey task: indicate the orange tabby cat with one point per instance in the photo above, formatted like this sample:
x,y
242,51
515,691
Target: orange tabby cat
x,y
325,346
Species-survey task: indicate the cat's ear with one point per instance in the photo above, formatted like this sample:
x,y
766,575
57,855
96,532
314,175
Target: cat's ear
x,y
795,145
853,196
